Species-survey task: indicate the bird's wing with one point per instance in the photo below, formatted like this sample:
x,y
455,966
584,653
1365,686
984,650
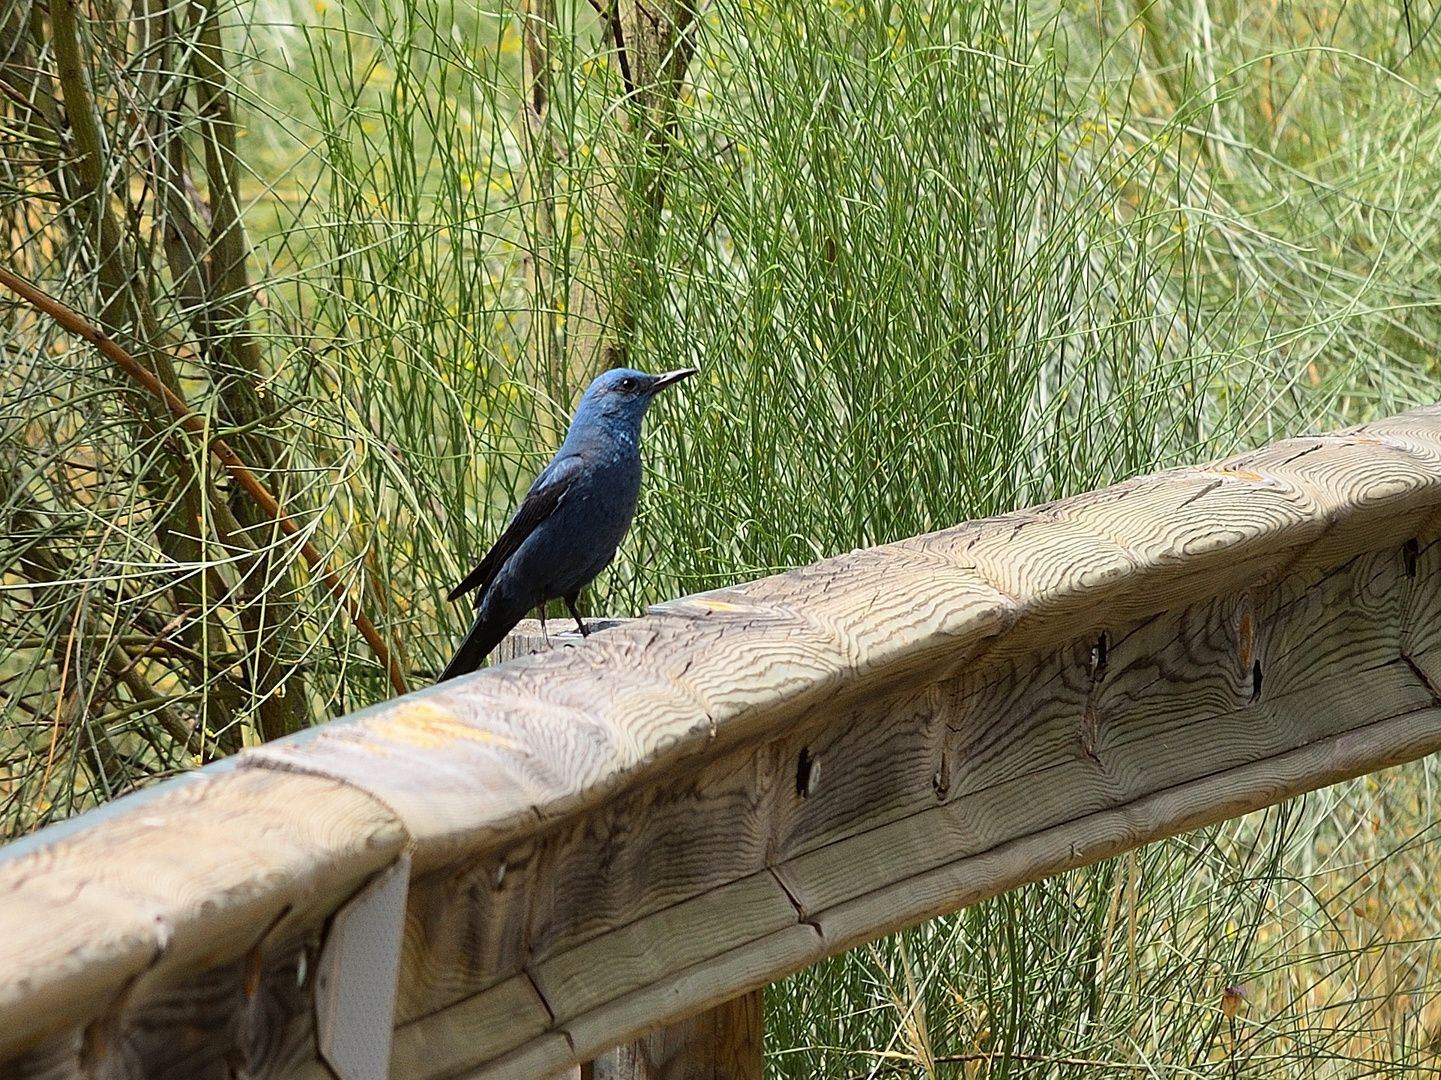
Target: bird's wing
x,y
544,496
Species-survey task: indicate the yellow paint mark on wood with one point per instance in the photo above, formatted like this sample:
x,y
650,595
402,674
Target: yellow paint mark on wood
x,y
1238,474
711,604
424,725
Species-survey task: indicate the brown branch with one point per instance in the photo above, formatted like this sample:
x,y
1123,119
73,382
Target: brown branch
x,y
611,17
75,168
232,351
121,666
81,327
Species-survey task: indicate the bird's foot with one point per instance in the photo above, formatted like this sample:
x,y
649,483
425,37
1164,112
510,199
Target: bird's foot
x,y
579,622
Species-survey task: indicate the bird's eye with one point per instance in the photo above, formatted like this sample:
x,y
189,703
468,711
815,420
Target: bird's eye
x,y
627,384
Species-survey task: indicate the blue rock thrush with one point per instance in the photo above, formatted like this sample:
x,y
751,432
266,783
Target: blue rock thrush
x,y
572,519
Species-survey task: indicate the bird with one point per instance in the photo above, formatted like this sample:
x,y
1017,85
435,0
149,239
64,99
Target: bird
x,y
568,526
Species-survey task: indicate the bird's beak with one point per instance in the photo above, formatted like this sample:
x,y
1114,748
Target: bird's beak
x,y
670,378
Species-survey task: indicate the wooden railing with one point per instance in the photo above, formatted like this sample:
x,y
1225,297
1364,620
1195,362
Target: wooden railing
x,y
603,839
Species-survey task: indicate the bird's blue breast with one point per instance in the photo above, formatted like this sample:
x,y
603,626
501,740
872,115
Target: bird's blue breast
x,y
578,540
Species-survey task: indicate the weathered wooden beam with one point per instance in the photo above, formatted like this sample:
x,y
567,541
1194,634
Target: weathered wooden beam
x,y
722,1043
614,837
182,926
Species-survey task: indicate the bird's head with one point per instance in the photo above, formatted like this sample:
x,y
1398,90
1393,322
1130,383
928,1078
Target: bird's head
x,y
623,394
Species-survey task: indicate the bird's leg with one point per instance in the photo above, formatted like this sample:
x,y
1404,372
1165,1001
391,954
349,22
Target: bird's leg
x,y
570,603
543,635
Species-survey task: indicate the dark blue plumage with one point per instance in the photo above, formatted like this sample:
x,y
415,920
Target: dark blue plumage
x,y
567,528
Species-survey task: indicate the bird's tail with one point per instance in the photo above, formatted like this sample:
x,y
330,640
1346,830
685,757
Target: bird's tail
x,y
485,634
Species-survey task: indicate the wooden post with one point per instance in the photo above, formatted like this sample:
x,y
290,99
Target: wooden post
x,y
723,1043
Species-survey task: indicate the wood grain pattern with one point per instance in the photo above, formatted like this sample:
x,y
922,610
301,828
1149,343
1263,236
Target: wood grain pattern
x,y
694,989
618,834
482,1026
871,770
490,757
529,638
548,1057
724,1043
635,955
727,666
191,880
249,1017
843,870
968,825
1098,836
968,881
931,776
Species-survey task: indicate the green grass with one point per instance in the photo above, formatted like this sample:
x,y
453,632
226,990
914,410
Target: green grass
x,y
935,261
1319,915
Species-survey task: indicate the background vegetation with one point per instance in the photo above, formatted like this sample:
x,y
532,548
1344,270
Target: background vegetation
x,y
935,260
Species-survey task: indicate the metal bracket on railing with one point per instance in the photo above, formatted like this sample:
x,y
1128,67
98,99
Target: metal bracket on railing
x,y
359,968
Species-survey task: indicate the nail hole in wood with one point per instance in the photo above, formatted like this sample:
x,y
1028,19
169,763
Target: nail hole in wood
x,y
1098,657
1409,552
941,781
808,774
1256,681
